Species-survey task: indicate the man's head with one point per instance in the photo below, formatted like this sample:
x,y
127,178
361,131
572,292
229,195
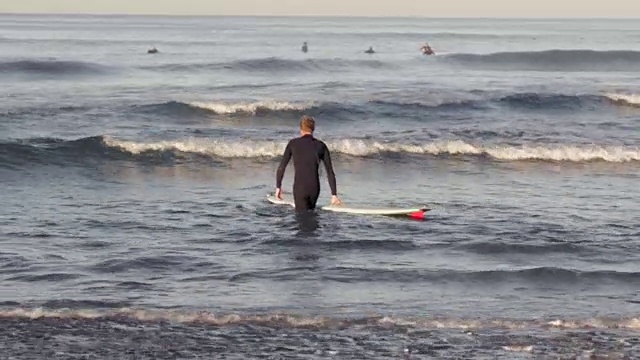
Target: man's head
x,y
307,125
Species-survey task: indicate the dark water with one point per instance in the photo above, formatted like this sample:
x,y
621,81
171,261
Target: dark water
x,y
134,222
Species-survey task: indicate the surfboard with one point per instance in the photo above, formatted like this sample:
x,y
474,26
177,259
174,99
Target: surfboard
x,y
415,212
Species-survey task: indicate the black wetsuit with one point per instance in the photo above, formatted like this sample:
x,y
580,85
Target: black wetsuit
x,y
307,152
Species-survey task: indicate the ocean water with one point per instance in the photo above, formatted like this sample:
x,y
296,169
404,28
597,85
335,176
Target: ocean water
x,y
134,223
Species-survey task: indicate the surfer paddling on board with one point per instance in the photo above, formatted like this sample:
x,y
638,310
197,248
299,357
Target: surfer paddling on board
x,y
307,152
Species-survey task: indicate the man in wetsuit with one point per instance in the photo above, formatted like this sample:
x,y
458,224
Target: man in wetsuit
x,y
307,152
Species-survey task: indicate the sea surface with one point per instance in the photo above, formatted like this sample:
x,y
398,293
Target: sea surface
x,y
133,220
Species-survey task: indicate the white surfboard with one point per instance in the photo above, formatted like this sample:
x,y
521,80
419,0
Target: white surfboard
x,y
417,213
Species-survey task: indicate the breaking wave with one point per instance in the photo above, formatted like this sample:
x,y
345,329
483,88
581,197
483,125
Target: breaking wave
x,y
252,108
630,100
105,148
278,320
396,108
364,148
248,108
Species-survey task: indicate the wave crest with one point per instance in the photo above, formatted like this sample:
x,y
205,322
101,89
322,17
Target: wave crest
x,y
106,148
552,60
274,64
51,67
252,108
631,100
247,108
391,106
364,148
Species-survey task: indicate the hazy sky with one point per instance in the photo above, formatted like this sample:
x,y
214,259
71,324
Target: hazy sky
x,y
434,8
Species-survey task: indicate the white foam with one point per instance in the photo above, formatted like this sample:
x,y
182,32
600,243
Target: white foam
x,y
358,147
249,107
626,99
518,348
205,147
633,324
277,319
573,153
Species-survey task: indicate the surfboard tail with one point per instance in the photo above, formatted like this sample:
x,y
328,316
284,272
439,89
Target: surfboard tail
x,y
418,215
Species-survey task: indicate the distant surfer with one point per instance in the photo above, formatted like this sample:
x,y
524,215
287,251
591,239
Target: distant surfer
x,y
307,152
427,50
370,51
304,47
153,50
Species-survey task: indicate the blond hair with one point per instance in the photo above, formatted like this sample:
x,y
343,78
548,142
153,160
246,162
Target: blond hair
x,y
307,124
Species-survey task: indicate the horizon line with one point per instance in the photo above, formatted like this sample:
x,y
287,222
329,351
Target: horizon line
x,y
442,17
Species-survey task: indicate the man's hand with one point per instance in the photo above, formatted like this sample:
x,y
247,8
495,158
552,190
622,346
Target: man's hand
x,y
279,194
335,200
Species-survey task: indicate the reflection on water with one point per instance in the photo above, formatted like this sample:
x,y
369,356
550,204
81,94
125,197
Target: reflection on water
x,y
231,174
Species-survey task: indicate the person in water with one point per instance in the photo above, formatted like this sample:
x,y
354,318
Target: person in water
x,y
427,50
307,152
370,51
304,47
